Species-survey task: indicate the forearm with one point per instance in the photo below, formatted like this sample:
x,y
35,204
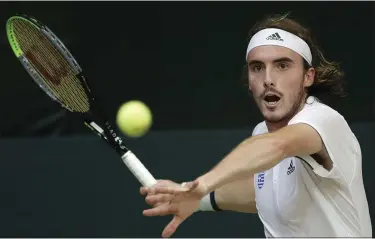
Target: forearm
x,y
255,154
237,196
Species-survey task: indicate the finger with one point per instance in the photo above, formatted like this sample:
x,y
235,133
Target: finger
x,y
148,190
162,210
167,190
159,198
143,190
159,183
163,182
158,204
172,226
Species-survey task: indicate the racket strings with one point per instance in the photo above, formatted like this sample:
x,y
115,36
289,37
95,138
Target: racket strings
x,y
56,72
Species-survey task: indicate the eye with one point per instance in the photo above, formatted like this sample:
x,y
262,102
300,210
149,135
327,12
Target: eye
x,y
282,66
256,67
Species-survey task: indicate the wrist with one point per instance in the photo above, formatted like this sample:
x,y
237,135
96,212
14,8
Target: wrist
x,y
208,203
207,182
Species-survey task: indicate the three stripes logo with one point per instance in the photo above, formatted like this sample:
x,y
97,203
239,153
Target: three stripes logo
x,y
275,36
291,168
260,180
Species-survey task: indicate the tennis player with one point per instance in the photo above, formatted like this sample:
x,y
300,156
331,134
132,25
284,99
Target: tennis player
x,y
301,170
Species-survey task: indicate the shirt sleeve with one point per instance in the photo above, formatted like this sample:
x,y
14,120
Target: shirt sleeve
x,y
340,142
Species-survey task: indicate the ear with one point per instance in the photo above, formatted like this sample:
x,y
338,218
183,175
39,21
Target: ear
x,y
309,77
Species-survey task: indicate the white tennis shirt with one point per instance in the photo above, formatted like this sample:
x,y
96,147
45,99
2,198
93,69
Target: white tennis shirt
x,y
299,198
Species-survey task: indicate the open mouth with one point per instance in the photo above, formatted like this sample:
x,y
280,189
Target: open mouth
x,y
271,99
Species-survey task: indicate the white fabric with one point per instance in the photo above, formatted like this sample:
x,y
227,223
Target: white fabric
x,y
278,37
205,204
299,199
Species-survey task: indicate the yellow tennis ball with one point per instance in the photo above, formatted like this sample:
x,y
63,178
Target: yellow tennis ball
x,y
134,118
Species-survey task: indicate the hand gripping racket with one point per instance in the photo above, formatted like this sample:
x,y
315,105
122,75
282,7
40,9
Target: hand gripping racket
x,y
57,73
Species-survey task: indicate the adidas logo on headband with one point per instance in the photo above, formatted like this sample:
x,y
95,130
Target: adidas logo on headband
x,y
271,36
275,36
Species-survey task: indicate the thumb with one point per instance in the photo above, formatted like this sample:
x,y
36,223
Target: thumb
x,y
190,186
172,226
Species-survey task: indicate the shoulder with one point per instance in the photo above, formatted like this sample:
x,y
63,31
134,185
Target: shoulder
x,y
336,135
330,124
319,114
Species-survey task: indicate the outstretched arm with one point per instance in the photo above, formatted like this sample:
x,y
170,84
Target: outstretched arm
x,y
262,152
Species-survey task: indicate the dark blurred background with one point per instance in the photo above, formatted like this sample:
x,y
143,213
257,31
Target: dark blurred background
x,y
183,59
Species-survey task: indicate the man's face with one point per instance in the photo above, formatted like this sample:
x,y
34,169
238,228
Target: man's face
x,y
277,80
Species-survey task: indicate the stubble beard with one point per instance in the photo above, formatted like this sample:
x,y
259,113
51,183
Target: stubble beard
x,y
298,103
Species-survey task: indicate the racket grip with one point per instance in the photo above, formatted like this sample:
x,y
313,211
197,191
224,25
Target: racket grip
x,y
138,169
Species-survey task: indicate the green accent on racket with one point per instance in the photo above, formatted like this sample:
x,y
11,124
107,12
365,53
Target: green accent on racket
x,y
11,36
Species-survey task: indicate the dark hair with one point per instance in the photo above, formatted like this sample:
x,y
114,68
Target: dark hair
x,y
328,76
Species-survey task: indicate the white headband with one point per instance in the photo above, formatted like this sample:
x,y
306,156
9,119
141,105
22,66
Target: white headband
x,y
278,37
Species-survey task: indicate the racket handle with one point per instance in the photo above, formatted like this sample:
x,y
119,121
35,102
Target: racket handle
x,y
138,169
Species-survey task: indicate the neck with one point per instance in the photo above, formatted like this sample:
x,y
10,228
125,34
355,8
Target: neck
x,y
274,126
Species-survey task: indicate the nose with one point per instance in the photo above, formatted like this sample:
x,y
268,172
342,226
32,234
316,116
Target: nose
x,y
269,80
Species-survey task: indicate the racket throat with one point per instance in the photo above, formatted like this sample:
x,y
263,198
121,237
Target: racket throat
x,y
110,135
97,128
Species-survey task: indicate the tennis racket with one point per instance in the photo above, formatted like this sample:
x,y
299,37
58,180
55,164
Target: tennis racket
x,y
54,69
